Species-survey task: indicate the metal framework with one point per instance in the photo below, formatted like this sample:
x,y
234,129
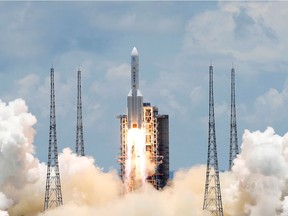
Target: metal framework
x,y
79,127
234,150
123,146
150,122
212,198
163,150
151,130
53,194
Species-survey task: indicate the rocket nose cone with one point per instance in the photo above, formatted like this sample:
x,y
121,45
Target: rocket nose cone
x,y
134,52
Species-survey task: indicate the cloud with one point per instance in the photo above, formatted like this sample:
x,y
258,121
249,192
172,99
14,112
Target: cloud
x,y
197,95
251,34
272,99
150,20
172,102
32,88
28,81
16,137
16,151
118,72
260,175
204,31
221,109
5,203
267,108
180,197
18,39
242,32
257,184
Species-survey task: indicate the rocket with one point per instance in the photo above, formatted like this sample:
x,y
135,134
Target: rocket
x,y
135,97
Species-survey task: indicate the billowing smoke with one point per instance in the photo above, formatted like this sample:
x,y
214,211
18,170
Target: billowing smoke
x,y
17,164
256,186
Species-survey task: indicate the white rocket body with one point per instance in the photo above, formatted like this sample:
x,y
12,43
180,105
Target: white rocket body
x,y
135,97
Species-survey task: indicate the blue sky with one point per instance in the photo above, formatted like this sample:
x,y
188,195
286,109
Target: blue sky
x,y
176,42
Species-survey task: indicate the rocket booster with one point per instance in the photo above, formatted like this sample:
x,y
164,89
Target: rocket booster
x,y
135,98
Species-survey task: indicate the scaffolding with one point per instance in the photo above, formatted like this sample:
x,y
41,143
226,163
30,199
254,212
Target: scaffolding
x,y
123,146
157,147
163,150
151,134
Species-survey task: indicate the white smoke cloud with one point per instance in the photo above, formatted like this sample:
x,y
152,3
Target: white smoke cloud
x,y
16,138
256,186
2,213
5,203
17,164
259,175
181,198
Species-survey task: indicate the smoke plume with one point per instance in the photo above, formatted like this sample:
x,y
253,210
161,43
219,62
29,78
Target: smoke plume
x,y
256,186
18,165
259,176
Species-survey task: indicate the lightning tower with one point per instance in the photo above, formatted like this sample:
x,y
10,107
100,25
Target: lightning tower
x,y
212,198
79,127
234,151
53,194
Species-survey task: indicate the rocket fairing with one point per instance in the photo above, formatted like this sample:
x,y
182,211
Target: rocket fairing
x,y
135,97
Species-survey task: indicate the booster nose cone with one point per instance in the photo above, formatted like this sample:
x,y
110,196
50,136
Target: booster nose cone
x,y
134,52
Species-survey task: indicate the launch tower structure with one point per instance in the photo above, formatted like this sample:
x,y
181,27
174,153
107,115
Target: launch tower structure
x,y
234,151
53,194
157,144
162,174
212,197
79,128
154,128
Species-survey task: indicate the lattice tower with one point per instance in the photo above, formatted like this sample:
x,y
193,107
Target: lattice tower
x,y
234,151
53,194
212,204
79,128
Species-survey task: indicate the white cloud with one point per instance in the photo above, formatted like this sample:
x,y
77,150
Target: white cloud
x,y
221,109
197,95
114,81
269,109
260,172
246,32
253,35
171,102
272,99
118,72
206,31
146,21
5,203
17,37
33,89
27,84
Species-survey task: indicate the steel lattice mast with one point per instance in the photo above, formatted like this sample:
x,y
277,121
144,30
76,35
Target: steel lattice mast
x,y
79,127
212,198
53,194
233,124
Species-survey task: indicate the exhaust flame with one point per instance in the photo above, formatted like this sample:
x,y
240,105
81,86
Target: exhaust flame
x,y
135,169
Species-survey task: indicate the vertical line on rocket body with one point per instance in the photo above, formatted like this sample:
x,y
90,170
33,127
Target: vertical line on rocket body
x,y
135,98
